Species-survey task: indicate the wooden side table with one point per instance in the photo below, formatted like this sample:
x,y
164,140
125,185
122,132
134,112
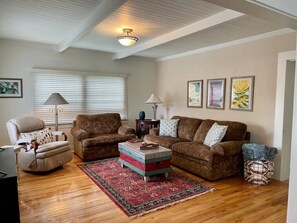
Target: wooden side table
x,y
143,126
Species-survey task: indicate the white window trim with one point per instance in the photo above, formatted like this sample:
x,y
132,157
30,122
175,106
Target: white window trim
x,y
50,71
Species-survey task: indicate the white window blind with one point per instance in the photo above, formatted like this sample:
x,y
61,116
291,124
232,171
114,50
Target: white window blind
x,y
85,93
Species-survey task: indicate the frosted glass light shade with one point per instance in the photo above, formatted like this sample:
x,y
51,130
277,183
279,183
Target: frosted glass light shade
x,y
126,39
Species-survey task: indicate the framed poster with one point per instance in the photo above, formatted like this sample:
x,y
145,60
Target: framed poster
x,y
242,93
195,93
11,88
216,93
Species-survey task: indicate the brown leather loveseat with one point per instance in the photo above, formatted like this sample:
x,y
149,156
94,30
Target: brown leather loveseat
x,y
97,136
221,160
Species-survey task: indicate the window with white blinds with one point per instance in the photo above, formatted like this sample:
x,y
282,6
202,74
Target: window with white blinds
x,y
85,93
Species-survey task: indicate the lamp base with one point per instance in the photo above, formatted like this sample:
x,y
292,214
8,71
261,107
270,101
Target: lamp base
x,y
155,106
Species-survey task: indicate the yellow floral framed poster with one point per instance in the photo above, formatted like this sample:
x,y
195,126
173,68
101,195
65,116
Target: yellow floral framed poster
x,y
242,93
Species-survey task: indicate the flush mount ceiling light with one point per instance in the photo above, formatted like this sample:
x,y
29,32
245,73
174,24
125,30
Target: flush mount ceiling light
x,y
126,39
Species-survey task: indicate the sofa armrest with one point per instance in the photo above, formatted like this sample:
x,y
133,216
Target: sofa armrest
x,y
79,133
228,148
124,130
154,131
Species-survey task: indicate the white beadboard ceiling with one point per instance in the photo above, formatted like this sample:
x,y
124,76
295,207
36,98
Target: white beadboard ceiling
x,y
165,28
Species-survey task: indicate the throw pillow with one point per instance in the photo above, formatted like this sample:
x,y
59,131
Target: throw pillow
x,y
215,134
168,127
41,137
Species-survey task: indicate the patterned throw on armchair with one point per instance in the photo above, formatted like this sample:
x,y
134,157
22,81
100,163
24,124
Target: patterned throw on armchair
x,y
97,136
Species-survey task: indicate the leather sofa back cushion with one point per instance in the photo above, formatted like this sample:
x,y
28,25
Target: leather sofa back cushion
x,y
187,127
99,123
235,131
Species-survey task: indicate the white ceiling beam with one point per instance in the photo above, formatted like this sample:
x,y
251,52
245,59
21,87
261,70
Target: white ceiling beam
x,y
100,13
230,43
262,11
203,24
287,6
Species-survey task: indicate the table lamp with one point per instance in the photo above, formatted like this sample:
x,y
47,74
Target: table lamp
x,y
154,99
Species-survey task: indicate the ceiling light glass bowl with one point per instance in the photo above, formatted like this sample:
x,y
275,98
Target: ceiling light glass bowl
x,y
126,39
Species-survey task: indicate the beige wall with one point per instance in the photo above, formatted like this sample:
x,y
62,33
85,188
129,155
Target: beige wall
x,y
18,58
257,58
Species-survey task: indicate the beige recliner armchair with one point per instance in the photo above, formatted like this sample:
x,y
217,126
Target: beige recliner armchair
x,y
40,152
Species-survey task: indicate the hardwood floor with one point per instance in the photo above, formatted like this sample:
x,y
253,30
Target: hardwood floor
x,y
68,195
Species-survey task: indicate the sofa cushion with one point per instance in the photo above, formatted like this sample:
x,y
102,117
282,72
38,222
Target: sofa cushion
x,y
99,123
187,127
215,134
203,130
236,130
193,149
168,127
165,141
106,139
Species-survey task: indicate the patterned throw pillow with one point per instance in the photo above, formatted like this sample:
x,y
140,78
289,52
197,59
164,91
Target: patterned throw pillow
x,y
215,134
168,127
42,136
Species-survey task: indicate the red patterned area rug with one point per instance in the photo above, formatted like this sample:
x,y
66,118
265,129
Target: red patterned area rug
x,y
135,196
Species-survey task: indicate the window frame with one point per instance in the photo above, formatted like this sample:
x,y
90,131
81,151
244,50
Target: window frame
x,y
39,71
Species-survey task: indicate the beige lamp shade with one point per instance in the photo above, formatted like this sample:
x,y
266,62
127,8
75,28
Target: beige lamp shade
x,y
153,99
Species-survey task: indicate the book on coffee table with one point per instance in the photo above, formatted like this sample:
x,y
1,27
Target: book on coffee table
x,y
139,144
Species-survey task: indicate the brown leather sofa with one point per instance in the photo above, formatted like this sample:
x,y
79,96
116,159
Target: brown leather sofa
x,y
221,160
97,136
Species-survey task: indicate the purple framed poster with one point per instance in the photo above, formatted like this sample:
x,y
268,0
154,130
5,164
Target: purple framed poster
x,y
216,93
